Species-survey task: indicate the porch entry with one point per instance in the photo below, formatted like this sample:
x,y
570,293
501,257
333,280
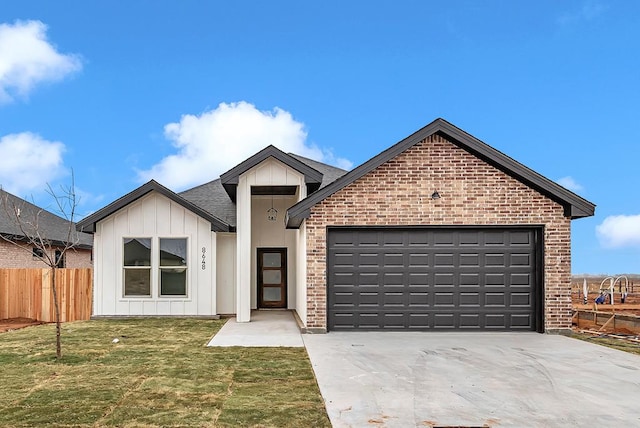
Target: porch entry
x,y
272,277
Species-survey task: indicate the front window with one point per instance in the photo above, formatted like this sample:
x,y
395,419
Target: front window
x,y
59,259
137,267
173,266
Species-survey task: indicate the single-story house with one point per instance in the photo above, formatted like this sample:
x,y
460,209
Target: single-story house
x,y
440,231
16,251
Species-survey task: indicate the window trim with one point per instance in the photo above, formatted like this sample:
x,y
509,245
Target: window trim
x,y
148,268
159,268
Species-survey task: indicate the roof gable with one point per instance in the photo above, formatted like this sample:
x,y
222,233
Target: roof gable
x,y
574,205
88,224
230,179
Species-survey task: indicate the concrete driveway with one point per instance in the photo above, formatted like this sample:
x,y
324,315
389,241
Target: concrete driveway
x,y
395,379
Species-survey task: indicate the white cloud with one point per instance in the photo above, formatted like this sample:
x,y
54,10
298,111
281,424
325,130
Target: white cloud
x,y
28,58
217,140
619,231
28,162
570,184
588,11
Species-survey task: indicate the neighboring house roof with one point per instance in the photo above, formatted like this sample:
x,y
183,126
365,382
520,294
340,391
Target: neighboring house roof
x,y
50,226
574,205
88,224
229,180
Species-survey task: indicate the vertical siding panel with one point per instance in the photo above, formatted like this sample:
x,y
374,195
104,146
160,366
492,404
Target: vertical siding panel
x,y
136,219
177,219
149,215
163,217
110,285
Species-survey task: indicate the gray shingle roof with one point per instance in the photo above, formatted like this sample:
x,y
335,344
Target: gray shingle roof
x,y
210,200
329,173
51,227
213,198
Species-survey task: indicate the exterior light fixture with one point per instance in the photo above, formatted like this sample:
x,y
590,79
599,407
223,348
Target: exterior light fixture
x,y
435,195
272,213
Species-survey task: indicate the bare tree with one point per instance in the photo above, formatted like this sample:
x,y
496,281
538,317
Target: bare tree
x,y
32,232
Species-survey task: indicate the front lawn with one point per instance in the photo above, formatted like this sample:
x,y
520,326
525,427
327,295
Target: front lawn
x,y
159,374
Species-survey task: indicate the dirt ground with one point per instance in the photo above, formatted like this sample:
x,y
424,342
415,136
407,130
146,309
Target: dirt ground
x,y
16,323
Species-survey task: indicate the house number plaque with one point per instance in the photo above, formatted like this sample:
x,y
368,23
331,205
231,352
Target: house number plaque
x,y
204,258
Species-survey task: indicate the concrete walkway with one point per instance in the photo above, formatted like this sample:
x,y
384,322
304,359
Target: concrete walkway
x,y
266,329
410,379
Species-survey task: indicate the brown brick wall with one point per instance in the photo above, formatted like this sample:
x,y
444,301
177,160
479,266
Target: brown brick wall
x,y
473,193
14,257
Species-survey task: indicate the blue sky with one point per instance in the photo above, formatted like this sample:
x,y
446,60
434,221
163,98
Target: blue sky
x,y
124,91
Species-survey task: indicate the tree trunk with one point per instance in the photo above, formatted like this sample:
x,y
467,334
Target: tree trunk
x,y
56,307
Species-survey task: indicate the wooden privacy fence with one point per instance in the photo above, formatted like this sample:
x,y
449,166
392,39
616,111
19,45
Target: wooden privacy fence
x,y
27,293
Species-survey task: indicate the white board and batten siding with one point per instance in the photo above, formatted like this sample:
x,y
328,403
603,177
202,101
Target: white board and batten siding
x,y
154,216
226,273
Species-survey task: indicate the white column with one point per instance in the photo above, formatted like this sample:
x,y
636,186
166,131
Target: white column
x,y
243,249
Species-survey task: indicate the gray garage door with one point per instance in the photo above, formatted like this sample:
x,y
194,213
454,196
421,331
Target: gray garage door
x,y
433,279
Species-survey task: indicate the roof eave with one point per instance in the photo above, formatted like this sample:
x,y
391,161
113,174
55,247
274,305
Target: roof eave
x,y
579,207
230,179
88,224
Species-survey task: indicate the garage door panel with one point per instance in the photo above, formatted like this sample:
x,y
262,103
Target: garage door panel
x,y
420,321
443,299
443,260
520,280
394,260
393,278
393,238
443,279
418,299
495,279
424,279
368,279
469,260
470,321
444,320
469,299
519,259
469,279
468,238
344,260
520,238
366,238
522,321
418,260
495,260
495,299
520,300
368,260
417,279
494,238
495,320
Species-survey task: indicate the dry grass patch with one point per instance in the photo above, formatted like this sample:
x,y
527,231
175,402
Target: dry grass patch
x,y
159,374
611,342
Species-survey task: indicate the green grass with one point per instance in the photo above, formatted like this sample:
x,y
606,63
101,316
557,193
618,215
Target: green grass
x,y
160,374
